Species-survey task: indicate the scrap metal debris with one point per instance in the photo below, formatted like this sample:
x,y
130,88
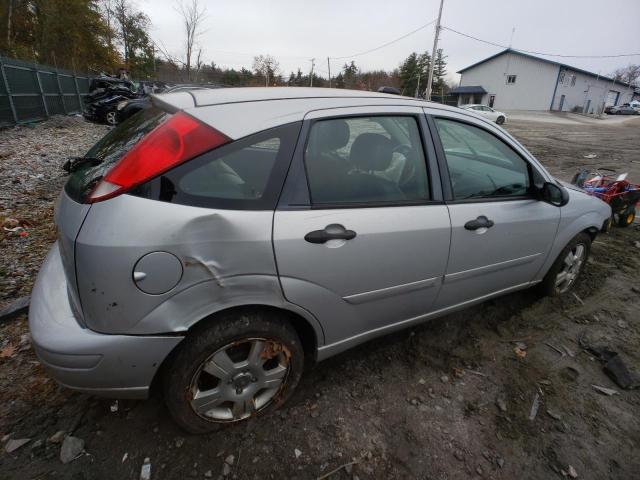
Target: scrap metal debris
x,y
614,365
336,470
562,354
580,301
606,391
72,448
534,407
15,308
14,444
554,415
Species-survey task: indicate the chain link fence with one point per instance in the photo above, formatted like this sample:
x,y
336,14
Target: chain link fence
x,y
30,91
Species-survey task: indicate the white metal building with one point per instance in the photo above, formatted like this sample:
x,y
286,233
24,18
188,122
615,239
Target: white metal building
x,y
511,80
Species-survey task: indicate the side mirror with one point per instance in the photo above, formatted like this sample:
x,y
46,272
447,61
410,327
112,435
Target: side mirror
x,y
554,194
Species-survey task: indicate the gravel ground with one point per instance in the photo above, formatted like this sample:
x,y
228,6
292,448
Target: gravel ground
x,y
449,400
30,180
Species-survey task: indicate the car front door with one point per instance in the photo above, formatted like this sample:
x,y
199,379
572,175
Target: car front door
x,y
490,113
361,236
501,233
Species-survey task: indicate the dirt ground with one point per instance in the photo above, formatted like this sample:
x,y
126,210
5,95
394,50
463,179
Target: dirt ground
x,y
448,400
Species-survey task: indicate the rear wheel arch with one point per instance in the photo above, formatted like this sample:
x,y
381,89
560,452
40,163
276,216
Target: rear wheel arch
x,y
306,332
303,327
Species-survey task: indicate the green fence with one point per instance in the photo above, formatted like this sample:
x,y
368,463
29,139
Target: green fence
x,y
30,92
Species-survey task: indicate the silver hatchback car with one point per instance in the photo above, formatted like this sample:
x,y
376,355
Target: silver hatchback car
x,y
215,242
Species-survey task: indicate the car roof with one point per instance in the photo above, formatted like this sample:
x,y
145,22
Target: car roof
x,y
238,112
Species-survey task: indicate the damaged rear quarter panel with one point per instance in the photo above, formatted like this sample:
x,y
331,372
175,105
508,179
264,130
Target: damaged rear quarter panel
x,y
226,257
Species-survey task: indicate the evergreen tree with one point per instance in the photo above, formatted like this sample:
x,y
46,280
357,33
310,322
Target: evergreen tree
x,y
414,74
350,75
439,72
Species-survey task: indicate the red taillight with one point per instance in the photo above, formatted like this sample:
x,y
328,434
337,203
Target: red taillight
x,y
171,143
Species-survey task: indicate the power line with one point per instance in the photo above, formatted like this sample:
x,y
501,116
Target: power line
x,y
385,44
540,53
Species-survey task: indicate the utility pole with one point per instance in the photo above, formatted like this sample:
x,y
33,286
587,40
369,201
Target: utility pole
x,y
433,52
329,69
313,64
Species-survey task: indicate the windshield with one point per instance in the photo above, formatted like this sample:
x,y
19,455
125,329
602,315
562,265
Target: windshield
x,y
110,149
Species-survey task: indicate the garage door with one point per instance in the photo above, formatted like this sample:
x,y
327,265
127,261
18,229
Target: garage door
x,y
612,97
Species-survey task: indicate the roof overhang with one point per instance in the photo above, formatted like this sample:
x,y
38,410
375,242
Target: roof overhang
x,y
471,89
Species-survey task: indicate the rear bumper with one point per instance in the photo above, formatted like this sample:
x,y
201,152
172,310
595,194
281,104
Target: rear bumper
x,y
121,366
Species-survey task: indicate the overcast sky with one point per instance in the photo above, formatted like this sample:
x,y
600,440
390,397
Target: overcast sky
x,y
294,31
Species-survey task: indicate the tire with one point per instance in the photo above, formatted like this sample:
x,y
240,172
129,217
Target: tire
x,y
500,120
627,217
552,285
241,391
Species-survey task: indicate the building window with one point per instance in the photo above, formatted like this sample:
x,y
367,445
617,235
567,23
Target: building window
x,y
561,78
511,79
573,80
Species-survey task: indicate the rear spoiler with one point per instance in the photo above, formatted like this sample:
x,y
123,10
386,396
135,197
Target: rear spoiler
x,y
173,102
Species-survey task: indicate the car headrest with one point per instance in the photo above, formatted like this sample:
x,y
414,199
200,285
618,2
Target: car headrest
x,y
330,135
371,152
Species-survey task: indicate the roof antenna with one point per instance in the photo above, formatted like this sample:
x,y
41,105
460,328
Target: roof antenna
x,y
513,30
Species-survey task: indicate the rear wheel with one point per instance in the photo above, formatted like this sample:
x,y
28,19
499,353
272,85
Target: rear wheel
x,y
565,271
500,120
237,367
627,217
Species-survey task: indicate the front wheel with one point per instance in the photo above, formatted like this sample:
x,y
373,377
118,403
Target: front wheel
x,y
234,368
500,120
627,217
565,271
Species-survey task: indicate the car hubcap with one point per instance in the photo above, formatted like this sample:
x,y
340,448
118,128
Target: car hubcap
x,y
239,379
111,118
570,268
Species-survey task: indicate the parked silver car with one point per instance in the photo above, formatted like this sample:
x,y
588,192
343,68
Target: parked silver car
x,y
214,243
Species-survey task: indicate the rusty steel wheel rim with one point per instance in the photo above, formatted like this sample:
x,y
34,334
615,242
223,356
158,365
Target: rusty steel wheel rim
x,y
239,380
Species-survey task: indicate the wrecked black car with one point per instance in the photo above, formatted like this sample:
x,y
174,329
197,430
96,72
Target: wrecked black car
x,y
105,94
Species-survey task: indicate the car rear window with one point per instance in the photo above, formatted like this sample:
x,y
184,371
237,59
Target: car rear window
x,y
109,150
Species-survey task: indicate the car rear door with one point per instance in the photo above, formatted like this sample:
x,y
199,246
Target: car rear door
x,y
501,233
361,235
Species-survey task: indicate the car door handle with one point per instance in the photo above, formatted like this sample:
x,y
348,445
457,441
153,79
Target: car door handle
x,y
480,222
330,232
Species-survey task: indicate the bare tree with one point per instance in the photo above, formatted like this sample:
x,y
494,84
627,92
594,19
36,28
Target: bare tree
x,y
267,66
629,74
9,13
192,17
108,13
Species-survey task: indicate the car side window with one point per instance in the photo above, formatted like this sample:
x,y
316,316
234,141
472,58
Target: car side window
x,y
377,159
245,174
480,164
241,174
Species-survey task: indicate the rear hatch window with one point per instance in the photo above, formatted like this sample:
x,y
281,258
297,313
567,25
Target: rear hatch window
x,y
111,148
